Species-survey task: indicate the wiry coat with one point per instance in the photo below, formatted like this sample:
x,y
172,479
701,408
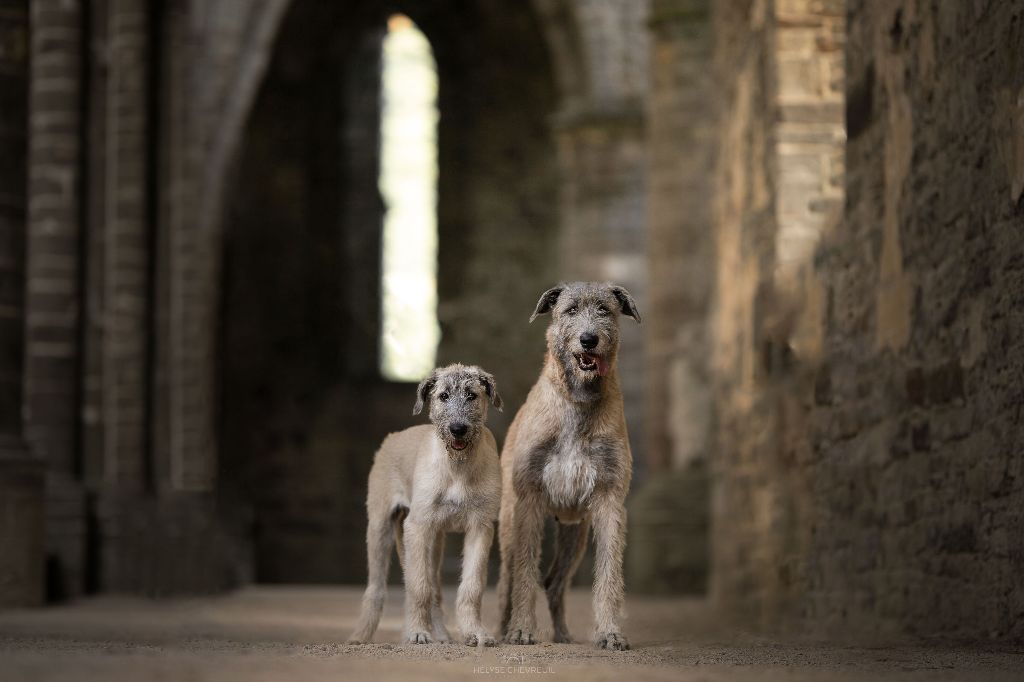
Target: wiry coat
x,y
567,455
426,481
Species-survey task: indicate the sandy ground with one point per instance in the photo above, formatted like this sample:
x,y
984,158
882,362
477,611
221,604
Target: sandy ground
x,y
296,633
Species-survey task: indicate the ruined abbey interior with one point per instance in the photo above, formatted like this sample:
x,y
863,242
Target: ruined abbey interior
x,y
817,204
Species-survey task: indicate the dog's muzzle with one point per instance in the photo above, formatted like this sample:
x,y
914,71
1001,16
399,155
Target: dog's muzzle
x,y
592,362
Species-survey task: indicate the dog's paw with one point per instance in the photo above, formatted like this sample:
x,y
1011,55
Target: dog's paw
x,y
477,638
519,636
354,641
419,638
611,640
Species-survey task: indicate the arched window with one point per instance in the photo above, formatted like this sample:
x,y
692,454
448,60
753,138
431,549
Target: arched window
x,y
408,184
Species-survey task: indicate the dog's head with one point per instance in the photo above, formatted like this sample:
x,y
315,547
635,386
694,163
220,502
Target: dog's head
x,y
458,398
583,336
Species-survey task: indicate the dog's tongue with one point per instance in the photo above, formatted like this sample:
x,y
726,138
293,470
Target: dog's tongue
x,y
602,366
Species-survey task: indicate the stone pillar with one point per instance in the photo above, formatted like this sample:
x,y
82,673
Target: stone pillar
x,y
118,275
680,143
669,507
53,263
126,246
21,476
601,157
192,260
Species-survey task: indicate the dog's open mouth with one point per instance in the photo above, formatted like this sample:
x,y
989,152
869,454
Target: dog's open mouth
x,y
460,445
590,362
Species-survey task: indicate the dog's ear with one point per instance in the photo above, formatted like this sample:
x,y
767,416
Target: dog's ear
x,y
490,387
423,391
626,302
547,301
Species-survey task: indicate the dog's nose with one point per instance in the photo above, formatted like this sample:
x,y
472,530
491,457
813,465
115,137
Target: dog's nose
x,y
588,340
459,430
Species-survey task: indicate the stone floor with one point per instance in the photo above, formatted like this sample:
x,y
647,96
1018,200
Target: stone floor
x,y
294,633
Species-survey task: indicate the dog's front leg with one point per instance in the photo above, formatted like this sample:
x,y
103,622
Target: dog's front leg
x,y
609,517
529,527
418,583
477,546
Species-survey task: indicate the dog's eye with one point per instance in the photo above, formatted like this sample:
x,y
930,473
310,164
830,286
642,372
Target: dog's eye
x,y
470,396
602,311
572,310
444,396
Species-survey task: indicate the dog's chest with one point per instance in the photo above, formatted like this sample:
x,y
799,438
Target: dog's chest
x,y
569,476
454,496
454,502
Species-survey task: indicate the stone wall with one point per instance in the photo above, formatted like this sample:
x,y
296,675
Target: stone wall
x,y
867,475
743,467
916,420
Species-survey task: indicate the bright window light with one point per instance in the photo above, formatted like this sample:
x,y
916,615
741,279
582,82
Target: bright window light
x,y
408,183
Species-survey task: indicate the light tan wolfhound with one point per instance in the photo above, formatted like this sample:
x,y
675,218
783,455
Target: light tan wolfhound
x,y
426,481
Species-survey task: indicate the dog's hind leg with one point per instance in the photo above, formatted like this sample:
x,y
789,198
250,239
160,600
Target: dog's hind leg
x,y
505,572
438,629
379,543
570,545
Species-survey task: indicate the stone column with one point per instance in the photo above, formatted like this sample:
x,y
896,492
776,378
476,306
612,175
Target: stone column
x,y
670,505
117,375
53,264
21,476
126,246
680,142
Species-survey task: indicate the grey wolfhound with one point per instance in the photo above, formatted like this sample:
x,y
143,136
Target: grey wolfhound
x,y
567,456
